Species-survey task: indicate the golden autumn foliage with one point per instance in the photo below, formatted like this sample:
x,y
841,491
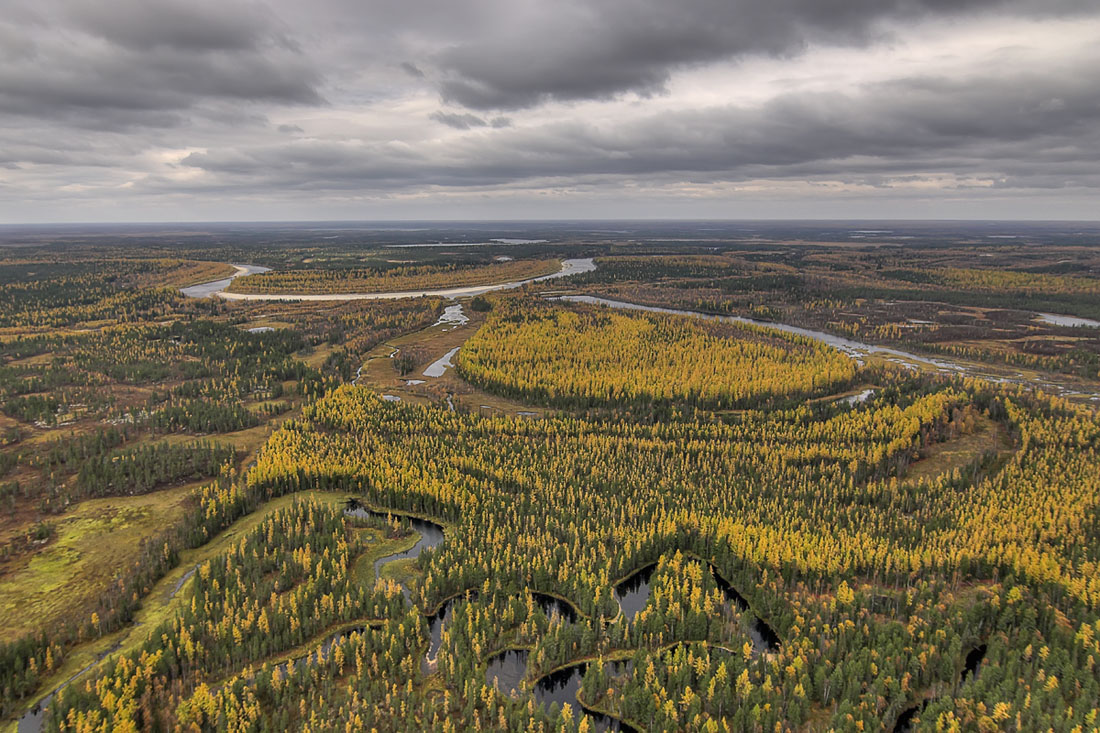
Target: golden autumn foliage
x,y
587,356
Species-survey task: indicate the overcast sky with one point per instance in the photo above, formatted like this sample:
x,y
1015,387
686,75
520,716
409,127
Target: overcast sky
x,y
193,110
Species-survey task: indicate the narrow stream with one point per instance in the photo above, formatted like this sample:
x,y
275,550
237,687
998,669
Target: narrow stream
x,y
32,720
764,638
184,579
431,534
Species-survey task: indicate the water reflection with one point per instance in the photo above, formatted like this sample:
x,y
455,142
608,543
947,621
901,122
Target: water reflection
x,y
507,670
633,592
562,686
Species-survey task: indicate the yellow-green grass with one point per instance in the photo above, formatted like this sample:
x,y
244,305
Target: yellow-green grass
x,y
266,322
403,572
198,272
317,357
362,571
94,540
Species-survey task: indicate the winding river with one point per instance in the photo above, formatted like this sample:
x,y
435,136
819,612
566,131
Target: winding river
x,y
854,349
205,290
217,288
431,534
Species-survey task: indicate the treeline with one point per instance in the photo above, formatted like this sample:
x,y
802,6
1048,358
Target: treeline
x,y
878,587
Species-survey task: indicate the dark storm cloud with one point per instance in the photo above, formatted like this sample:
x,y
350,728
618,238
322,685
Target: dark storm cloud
x,y
143,62
1006,130
573,51
185,25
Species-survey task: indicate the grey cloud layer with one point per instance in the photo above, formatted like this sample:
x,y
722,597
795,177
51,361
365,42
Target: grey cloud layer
x,y
135,62
1012,130
571,50
204,98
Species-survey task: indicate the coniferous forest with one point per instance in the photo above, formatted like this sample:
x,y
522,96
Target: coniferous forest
x,y
558,514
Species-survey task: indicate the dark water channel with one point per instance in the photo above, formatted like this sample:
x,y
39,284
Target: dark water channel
x,y
764,638
971,667
551,605
561,687
507,669
33,719
431,534
633,592
633,595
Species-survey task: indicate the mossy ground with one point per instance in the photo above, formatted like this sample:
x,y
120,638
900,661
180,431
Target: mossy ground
x,y
94,540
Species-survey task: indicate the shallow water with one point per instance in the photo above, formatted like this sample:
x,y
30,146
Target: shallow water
x,y
453,316
184,579
439,367
33,720
857,398
1074,321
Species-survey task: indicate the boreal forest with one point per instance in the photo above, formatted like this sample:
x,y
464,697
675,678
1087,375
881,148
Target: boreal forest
x,y
791,482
